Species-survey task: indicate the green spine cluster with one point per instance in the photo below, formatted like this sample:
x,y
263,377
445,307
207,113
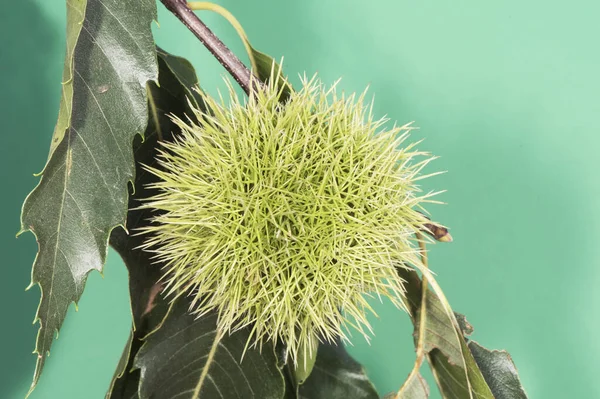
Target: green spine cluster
x,y
286,217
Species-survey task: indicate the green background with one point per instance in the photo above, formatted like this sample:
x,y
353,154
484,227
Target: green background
x,y
506,93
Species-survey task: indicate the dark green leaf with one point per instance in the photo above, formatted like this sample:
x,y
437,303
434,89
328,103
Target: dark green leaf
x,y
499,372
336,375
177,79
184,359
456,371
83,192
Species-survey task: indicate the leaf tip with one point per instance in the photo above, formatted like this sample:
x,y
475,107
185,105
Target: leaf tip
x,y
30,286
23,230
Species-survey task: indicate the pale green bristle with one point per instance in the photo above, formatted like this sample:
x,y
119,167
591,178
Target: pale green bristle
x,y
283,216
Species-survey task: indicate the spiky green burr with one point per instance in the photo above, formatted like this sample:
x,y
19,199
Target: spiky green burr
x,y
283,217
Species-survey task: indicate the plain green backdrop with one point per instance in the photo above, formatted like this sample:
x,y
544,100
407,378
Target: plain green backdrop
x,y
506,93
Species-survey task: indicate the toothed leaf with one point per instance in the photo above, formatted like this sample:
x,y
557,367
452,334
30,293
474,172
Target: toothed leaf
x,y
82,194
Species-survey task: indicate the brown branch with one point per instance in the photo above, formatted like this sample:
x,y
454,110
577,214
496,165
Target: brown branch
x,y
230,61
